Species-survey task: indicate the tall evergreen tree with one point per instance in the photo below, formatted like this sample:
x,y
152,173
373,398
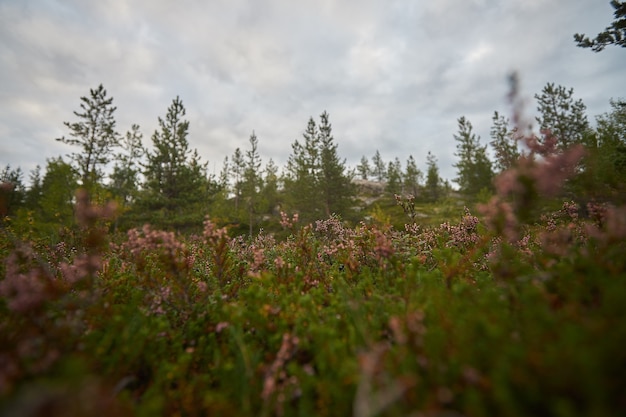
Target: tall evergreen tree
x,y
270,189
364,168
176,181
94,133
504,143
413,177
125,176
394,177
237,171
378,170
561,116
474,171
301,175
316,181
335,184
433,180
253,183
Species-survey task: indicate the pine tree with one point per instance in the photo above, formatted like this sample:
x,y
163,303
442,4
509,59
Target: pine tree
x,y
270,192
379,169
125,176
474,172
504,143
334,183
301,176
316,181
433,180
58,188
237,171
176,181
252,183
94,134
364,168
413,177
394,177
561,117
612,35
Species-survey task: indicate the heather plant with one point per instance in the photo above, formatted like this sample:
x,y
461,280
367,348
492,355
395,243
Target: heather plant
x,y
513,308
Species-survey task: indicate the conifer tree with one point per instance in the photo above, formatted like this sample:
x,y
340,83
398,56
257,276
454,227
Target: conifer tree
x,y
252,183
270,182
561,117
94,134
176,181
474,171
237,171
334,183
364,168
433,180
394,177
301,176
413,177
125,176
379,170
504,143
612,35
316,181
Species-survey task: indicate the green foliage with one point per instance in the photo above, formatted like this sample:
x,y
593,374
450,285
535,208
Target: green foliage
x,y
412,178
364,168
316,182
394,177
504,143
474,171
612,35
177,187
432,187
94,134
561,119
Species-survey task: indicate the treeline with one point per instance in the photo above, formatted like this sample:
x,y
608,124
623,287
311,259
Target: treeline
x,y
168,184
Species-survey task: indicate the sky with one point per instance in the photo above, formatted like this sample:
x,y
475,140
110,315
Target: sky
x,y
394,75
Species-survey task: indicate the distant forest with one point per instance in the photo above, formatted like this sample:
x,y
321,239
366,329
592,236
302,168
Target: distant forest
x,y
167,184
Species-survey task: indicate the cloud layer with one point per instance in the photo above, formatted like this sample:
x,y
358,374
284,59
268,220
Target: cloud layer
x,y
394,75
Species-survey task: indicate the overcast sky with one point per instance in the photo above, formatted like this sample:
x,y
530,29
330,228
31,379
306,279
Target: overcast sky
x,y
394,75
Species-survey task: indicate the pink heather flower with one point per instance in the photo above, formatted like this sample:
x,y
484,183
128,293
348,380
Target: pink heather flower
x,y
279,263
259,259
499,216
287,223
23,291
384,248
202,286
221,326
